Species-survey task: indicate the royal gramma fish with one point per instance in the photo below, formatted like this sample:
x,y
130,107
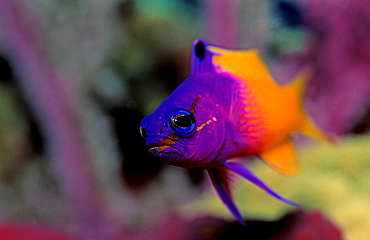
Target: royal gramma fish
x,y
230,107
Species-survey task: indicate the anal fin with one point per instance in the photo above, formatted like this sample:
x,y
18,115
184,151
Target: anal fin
x,y
282,157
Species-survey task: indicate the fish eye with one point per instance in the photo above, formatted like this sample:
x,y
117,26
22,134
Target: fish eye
x,y
183,123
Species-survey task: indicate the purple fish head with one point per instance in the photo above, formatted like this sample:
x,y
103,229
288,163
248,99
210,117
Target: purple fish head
x,y
187,129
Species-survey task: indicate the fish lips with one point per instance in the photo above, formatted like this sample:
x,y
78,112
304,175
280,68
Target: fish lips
x,y
165,149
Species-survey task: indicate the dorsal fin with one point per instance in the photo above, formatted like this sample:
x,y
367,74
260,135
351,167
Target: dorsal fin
x,y
207,57
247,64
201,59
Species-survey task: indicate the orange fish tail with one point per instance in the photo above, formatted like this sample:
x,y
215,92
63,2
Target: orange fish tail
x,y
306,125
282,155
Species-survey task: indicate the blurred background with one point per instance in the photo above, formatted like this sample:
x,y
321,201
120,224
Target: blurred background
x,y
77,77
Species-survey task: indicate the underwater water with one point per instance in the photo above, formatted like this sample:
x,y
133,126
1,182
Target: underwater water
x,y
77,77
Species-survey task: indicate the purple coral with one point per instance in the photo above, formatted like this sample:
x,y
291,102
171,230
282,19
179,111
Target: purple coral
x,y
339,91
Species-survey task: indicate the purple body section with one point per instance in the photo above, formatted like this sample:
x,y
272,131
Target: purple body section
x,y
197,127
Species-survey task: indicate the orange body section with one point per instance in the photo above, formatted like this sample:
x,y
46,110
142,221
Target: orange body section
x,y
279,109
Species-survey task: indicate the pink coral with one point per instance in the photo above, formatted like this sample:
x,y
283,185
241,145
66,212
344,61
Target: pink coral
x,y
309,225
10,231
339,90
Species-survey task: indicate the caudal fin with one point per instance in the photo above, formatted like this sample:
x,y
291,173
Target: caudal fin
x,y
282,156
310,129
306,125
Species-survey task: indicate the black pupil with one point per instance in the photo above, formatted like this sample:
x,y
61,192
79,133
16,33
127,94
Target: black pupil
x,y
182,121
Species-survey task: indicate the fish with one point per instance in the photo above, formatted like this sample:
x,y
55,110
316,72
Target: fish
x,y
230,108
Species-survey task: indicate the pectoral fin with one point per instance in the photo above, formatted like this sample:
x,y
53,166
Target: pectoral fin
x,y
282,157
221,182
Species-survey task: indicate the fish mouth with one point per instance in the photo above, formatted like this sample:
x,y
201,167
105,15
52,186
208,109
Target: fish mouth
x,y
165,149
160,146
168,150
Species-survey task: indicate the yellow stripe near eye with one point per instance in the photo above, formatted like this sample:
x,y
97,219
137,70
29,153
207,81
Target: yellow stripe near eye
x,y
206,123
